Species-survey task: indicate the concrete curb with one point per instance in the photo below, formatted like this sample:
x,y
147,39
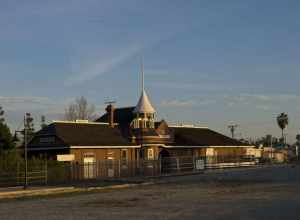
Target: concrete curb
x,y
63,190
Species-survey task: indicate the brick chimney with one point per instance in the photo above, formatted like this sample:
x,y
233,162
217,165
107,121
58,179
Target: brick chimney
x,y
110,113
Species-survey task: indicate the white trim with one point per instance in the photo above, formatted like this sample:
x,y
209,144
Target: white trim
x,y
104,147
168,146
154,144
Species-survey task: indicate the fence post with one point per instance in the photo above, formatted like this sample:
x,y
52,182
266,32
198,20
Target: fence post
x,y
46,172
18,172
119,167
159,174
194,163
177,164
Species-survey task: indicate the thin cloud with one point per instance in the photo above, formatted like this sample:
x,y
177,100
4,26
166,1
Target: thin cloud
x,y
260,98
103,66
16,100
115,58
187,86
177,103
32,103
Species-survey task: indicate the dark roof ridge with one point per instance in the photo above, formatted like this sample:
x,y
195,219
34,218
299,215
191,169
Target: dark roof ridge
x,y
80,122
189,126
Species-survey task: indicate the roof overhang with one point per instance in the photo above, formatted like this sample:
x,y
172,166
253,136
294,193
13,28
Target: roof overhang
x,y
242,146
104,147
46,148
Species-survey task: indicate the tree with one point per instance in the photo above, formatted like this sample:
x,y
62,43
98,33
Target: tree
x,y
282,121
1,115
267,141
6,138
80,110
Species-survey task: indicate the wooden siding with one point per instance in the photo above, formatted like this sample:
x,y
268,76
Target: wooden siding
x,y
103,154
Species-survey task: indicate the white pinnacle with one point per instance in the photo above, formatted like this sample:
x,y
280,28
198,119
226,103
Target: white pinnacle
x,y
144,105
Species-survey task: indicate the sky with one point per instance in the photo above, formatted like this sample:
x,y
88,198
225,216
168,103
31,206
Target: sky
x,y
209,63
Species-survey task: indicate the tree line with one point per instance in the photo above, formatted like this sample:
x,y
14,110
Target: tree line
x,y
80,109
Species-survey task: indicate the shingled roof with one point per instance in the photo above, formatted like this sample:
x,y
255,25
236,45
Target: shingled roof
x,y
85,134
121,116
193,136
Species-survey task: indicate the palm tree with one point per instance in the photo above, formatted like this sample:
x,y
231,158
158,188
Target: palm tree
x,y
1,115
282,121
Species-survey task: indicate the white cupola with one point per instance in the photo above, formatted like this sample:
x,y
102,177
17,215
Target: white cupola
x,y
144,111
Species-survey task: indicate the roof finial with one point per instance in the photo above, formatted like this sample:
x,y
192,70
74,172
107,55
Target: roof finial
x,y
142,72
144,105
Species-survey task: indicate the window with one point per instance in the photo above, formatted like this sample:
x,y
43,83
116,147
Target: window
x,y
124,158
150,154
110,155
89,165
124,154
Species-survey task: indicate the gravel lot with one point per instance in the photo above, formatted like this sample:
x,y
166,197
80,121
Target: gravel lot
x,y
260,193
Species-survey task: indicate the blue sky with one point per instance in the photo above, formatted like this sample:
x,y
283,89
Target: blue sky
x,y
206,62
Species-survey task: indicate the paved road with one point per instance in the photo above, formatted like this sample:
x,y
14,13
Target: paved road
x,y
265,193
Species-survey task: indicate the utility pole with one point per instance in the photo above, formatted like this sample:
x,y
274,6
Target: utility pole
x,y
232,129
25,150
28,127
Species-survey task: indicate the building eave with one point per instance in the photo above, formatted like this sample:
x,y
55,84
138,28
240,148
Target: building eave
x,y
174,146
105,147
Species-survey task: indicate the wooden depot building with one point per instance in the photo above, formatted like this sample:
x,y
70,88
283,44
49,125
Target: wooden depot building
x,y
130,134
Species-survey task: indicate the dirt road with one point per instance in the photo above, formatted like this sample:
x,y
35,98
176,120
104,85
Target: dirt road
x,y
264,193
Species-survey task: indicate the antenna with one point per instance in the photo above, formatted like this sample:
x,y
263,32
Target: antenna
x,y
232,128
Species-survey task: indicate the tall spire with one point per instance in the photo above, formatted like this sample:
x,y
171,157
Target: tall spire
x,y
144,105
143,75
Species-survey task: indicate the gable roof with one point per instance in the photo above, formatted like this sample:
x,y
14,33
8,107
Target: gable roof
x,y
121,116
86,134
193,136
